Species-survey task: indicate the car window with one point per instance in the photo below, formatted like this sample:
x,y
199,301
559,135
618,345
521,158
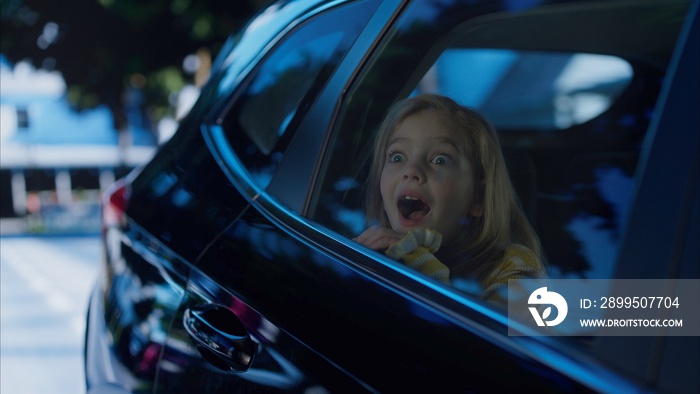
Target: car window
x,y
263,116
571,114
570,105
551,102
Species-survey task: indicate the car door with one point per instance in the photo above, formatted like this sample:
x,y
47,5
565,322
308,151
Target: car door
x,y
604,364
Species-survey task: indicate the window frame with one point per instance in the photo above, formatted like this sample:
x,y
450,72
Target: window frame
x,y
221,145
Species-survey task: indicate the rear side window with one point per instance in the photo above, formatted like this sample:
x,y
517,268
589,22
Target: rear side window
x,y
570,138
571,117
265,114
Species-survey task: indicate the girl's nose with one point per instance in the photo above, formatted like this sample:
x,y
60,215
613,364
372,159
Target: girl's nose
x,y
413,171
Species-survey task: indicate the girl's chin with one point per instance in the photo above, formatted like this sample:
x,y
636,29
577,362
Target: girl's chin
x,y
407,224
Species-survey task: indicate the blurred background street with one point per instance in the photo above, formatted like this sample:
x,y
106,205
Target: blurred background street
x,y
44,285
87,94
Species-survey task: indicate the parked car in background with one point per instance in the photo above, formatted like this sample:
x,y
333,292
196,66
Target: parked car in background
x,y
229,264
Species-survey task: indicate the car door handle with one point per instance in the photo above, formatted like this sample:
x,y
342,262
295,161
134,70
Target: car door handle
x,y
220,337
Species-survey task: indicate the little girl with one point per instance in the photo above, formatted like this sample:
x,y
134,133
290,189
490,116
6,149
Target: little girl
x,y
440,191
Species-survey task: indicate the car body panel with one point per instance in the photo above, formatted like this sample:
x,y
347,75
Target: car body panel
x,y
216,282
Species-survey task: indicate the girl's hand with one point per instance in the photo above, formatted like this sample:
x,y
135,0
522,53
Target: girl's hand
x,y
378,237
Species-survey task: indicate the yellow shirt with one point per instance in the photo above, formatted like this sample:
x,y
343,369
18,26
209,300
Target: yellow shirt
x,y
417,247
518,262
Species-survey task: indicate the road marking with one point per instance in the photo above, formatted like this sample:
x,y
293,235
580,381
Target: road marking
x,y
39,265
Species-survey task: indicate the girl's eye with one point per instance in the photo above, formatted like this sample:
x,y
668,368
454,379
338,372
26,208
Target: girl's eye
x,y
441,160
395,157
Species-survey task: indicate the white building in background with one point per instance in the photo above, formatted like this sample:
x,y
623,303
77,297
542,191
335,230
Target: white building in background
x,y
52,155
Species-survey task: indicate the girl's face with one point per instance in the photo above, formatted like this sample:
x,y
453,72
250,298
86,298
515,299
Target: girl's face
x,y
427,180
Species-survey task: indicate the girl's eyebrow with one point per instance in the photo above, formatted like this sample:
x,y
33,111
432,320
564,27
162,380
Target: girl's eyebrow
x,y
449,141
440,140
395,140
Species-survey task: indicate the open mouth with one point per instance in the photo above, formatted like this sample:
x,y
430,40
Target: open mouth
x,y
412,207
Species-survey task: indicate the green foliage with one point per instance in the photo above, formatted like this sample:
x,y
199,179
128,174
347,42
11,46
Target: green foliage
x,y
102,47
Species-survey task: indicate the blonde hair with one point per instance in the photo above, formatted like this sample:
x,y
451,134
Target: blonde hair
x,y
482,242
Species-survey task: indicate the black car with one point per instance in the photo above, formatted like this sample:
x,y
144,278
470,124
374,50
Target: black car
x,y
229,264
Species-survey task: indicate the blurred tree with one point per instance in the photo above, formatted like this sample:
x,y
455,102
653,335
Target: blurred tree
x,y
106,49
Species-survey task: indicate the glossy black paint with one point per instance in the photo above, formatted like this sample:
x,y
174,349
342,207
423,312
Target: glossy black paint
x,y
397,342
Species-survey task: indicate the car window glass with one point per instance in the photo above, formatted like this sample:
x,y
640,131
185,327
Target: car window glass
x,y
264,115
579,211
571,115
